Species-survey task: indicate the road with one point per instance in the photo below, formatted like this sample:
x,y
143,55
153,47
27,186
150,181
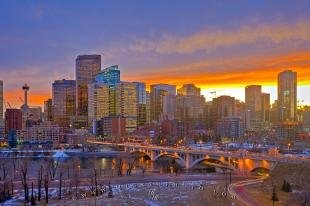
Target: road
x,y
238,190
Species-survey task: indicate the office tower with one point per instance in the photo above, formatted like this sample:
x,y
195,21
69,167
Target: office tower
x,y
1,108
111,77
45,133
126,104
265,108
98,102
253,103
223,106
190,106
13,120
189,90
141,103
64,105
34,116
148,107
87,67
287,96
163,102
231,127
112,126
48,110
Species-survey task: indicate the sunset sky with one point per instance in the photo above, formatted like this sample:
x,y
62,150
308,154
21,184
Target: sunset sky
x,y
218,45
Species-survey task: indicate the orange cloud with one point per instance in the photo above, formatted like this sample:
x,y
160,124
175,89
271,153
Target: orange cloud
x,y
238,71
210,40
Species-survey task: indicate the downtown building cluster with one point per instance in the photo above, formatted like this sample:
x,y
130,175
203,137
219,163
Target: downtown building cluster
x,y
98,103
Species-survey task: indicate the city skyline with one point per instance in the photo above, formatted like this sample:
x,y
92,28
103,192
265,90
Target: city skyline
x,y
214,46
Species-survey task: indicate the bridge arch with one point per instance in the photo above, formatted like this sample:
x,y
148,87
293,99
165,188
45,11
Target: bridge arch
x,y
145,153
173,155
260,170
213,161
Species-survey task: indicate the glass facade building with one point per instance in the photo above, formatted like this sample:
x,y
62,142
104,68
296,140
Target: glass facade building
x,y
141,103
87,67
287,96
126,104
111,77
98,102
64,105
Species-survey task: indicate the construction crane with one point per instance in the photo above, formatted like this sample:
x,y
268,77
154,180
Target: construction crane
x,y
9,105
216,91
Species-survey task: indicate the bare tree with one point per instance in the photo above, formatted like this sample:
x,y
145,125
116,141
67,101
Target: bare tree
x,y
52,166
60,181
24,172
131,162
76,179
119,166
40,178
46,185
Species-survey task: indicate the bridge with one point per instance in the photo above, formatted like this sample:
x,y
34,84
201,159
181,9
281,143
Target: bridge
x,y
241,162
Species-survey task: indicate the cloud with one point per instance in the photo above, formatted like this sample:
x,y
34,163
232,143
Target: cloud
x,y
238,71
208,41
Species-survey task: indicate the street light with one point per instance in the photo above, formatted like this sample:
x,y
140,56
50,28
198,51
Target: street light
x,y
200,142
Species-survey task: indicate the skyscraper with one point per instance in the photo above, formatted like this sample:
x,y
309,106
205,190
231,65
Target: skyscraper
x,y
87,66
265,108
98,102
126,104
64,106
48,110
223,106
1,107
190,105
13,120
141,103
287,96
253,104
163,102
111,77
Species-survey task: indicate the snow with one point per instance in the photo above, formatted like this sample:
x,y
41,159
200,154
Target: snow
x,y
60,154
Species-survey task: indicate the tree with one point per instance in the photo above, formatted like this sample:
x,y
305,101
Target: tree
x,y
131,162
52,166
274,196
60,182
24,172
40,178
286,187
46,185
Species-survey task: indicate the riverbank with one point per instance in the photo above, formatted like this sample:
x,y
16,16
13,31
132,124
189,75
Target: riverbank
x,y
184,189
297,175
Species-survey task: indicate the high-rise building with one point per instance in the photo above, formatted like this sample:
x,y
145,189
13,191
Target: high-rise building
x,y
1,108
13,120
87,67
111,77
98,102
48,110
266,108
189,90
141,103
287,96
163,102
112,126
64,105
232,127
190,106
223,106
126,104
253,104
148,107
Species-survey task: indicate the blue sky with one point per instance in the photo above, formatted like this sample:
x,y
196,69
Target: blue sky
x,y
214,44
